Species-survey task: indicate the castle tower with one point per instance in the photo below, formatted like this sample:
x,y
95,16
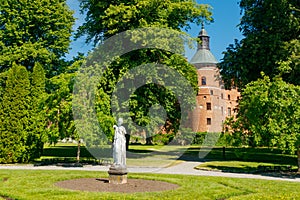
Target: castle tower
x,y
214,103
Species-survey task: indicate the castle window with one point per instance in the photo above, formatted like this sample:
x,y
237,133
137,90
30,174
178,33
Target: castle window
x,y
229,111
222,96
228,97
208,106
203,80
208,121
211,92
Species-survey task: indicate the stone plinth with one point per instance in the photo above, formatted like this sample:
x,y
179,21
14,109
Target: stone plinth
x,y
117,179
117,175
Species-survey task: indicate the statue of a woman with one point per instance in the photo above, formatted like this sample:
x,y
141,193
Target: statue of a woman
x,y
119,148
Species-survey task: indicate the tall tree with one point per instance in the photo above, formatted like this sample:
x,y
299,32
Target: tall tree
x,y
272,32
34,36
123,15
15,116
36,132
107,18
22,114
58,106
269,115
34,31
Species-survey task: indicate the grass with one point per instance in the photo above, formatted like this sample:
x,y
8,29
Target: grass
x,y
138,155
263,155
39,184
154,155
235,160
236,166
63,150
244,159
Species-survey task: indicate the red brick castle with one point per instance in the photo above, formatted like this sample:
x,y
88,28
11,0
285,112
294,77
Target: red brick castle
x,y
214,103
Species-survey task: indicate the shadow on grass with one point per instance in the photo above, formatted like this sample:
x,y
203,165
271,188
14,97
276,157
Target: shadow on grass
x,y
67,154
143,151
268,162
66,151
263,155
245,169
191,154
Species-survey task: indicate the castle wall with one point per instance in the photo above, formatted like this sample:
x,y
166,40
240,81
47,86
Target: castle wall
x,y
214,103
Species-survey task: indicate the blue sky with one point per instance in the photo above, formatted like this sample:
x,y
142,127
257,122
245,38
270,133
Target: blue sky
x,y
222,32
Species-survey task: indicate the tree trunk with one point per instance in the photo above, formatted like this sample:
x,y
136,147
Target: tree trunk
x,y
149,141
78,151
298,157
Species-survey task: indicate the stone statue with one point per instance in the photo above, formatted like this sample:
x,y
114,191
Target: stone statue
x,y
119,145
118,171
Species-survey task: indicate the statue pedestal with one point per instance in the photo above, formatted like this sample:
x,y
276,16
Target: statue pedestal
x,y
117,175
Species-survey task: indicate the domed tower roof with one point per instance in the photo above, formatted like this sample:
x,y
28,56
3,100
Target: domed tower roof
x,y
203,54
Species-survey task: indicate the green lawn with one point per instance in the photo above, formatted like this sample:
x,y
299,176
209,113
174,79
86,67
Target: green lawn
x,y
237,159
241,166
259,154
138,155
39,184
245,159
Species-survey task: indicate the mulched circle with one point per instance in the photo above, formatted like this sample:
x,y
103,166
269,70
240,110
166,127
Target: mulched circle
x,y
103,185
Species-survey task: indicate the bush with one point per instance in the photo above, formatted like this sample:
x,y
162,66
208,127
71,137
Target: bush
x,y
212,138
185,137
162,138
188,137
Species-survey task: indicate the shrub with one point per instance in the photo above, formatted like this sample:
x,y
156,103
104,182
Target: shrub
x,y
162,138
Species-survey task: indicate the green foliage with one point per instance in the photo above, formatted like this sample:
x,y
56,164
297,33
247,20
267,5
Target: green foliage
x,y
22,117
147,98
271,29
209,139
36,133
199,137
60,122
187,137
269,111
34,37
119,16
237,139
162,139
270,114
103,107
34,31
14,114
84,105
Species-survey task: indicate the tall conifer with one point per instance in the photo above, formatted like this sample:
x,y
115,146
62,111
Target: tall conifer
x,y
36,130
15,116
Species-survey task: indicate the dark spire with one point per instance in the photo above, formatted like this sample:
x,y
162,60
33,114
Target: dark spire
x,y
203,36
203,55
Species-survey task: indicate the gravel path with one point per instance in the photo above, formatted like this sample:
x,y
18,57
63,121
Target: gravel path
x,y
182,168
